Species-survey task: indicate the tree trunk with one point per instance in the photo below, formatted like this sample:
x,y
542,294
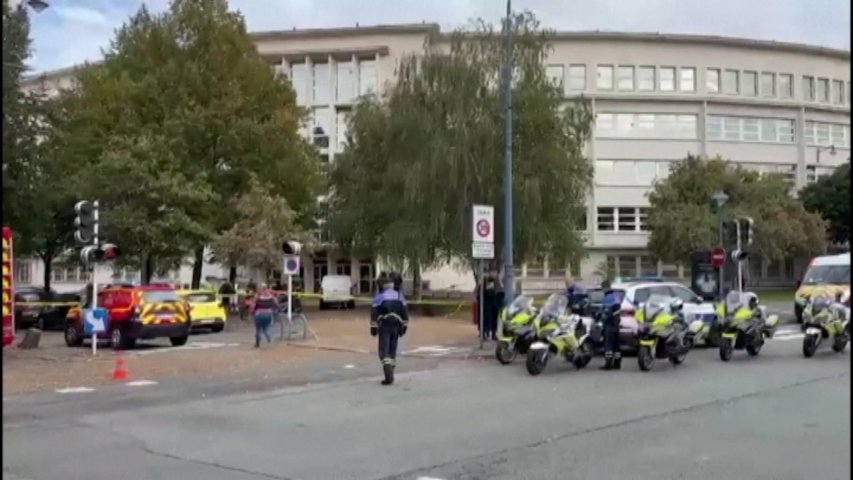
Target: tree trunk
x,y
416,282
198,263
232,274
147,268
47,259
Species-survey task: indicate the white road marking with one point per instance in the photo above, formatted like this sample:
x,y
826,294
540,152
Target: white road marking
x,y
141,383
349,366
429,478
75,390
434,350
190,346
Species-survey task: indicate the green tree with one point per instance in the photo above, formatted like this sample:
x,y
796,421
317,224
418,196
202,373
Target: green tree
x,y
174,122
432,146
682,218
255,238
830,197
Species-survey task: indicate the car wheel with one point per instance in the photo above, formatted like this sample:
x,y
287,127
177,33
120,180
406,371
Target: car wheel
x,y
72,336
117,338
322,305
217,328
179,341
351,304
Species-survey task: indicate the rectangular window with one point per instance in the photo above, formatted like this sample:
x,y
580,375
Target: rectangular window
x,y
667,79
712,80
604,77
822,90
321,83
627,266
345,91
605,219
838,92
731,80
23,272
838,135
768,85
714,127
625,79
367,79
688,80
786,85
743,129
820,134
322,127
646,79
605,124
555,75
626,219
646,125
751,130
605,172
340,131
299,81
808,88
750,84
577,78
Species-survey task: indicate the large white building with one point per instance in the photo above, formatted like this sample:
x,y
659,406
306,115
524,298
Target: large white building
x,y
769,106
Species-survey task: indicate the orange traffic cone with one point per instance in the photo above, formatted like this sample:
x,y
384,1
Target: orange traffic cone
x,y
119,373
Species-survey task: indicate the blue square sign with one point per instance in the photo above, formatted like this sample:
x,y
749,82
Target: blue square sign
x,y
94,321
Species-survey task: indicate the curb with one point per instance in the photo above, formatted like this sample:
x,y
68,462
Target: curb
x,y
328,347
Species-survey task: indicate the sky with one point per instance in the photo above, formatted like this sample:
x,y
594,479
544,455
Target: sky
x,y
72,31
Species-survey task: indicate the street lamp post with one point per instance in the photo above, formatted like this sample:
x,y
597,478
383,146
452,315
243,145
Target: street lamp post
x,y
509,281
720,198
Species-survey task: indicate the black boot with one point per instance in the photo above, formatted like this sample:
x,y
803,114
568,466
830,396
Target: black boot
x,y
617,363
389,374
608,364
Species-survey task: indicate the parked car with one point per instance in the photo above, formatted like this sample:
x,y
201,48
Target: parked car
x,y
43,317
635,293
136,312
206,310
336,291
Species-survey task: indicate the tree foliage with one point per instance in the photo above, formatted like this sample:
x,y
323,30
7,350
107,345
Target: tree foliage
x,y
682,215
422,154
830,197
176,121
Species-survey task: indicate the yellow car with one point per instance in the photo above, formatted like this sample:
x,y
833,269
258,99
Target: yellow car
x,y
206,310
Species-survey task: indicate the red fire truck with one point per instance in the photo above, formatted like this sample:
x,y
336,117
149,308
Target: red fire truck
x,y
8,289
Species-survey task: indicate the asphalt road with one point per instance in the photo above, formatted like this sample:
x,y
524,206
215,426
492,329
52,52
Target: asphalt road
x,y
778,416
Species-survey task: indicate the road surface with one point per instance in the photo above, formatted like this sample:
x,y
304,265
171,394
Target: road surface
x,y
778,416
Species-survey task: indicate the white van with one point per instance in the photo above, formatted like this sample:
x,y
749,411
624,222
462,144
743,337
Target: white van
x,y
827,275
336,291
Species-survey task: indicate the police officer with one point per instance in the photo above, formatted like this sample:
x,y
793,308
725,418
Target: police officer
x,y
611,306
389,319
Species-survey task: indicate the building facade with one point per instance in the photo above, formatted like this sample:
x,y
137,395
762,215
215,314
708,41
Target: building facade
x,y
768,106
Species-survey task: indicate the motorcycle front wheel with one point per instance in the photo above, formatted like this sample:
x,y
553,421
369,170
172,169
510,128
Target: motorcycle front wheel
x,y
809,346
584,355
726,349
536,362
839,344
645,358
505,354
754,348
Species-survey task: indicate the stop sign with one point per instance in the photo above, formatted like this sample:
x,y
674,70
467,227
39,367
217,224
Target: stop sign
x,y
718,257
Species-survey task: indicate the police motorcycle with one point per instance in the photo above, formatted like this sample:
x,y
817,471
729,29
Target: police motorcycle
x,y
743,324
662,331
559,333
825,321
517,331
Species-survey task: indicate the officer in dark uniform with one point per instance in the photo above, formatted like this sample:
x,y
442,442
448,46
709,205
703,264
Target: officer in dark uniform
x,y
389,319
610,320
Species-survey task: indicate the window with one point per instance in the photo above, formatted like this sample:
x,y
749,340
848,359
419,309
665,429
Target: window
x,y
688,80
648,267
367,79
620,219
730,82
322,127
606,217
750,84
768,85
838,92
737,129
627,266
712,80
625,78
822,90
815,173
683,293
321,83
299,79
642,218
808,88
340,131
23,272
345,87
577,78
555,75
786,85
604,80
667,79
343,268
646,79
630,172
825,134
646,125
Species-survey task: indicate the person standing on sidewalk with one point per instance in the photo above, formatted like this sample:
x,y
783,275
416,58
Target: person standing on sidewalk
x,y
389,320
610,319
263,309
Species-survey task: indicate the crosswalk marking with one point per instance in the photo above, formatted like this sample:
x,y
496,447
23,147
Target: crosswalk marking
x,y
435,350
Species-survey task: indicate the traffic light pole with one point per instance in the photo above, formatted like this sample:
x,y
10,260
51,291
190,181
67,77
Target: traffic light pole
x,y
94,303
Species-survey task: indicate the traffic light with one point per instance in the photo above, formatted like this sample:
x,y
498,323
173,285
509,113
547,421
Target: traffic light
x,y
740,255
291,247
86,221
88,254
93,254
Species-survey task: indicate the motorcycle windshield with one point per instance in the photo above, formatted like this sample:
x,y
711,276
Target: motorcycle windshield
x,y
735,300
521,303
821,303
654,306
555,305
